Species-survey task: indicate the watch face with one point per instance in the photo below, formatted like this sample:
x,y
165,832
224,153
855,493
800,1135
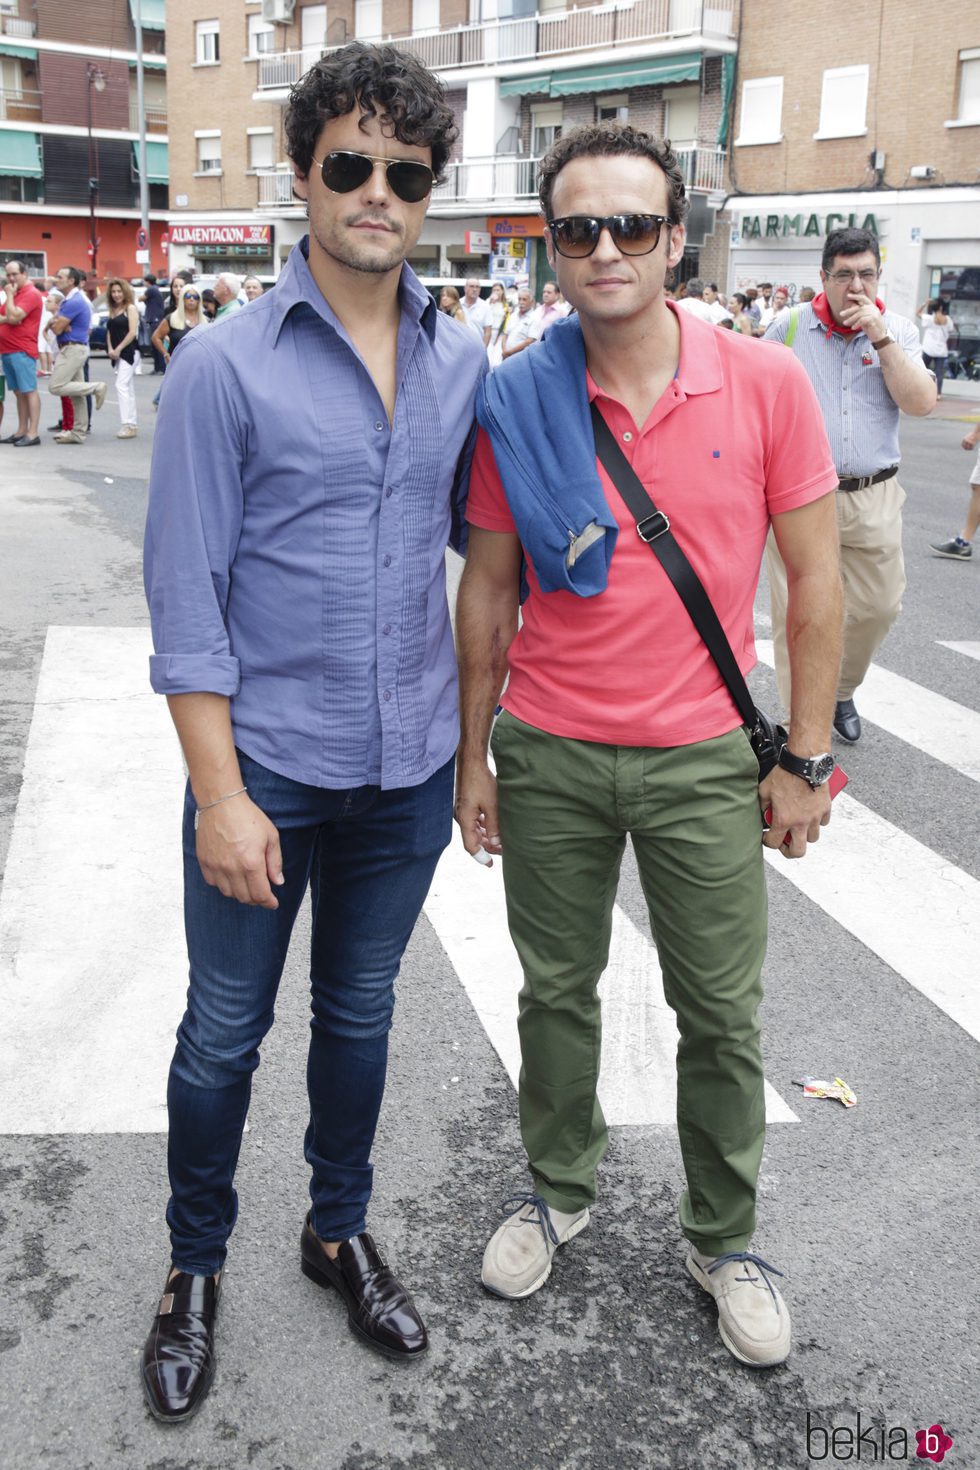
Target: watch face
x,y
823,769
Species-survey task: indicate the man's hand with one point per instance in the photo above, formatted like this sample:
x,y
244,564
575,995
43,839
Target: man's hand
x,y
476,808
238,850
798,812
863,315
971,440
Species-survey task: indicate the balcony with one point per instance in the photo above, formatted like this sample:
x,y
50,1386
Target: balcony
x,y
156,118
20,104
626,23
12,25
703,169
276,188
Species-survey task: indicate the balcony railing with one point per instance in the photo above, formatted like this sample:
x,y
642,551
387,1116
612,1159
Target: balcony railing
x,y
156,118
589,28
19,104
276,187
703,168
488,181
12,25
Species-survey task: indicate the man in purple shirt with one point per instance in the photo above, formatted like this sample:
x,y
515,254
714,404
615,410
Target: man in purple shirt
x,y
295,575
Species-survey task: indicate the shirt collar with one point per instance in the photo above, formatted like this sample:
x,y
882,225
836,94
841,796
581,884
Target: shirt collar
x,y
699,369
296,285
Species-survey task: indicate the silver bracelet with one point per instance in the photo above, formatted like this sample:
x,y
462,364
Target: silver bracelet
x,y
210,804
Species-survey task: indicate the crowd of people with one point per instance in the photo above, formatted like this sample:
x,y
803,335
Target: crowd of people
x,y
46,328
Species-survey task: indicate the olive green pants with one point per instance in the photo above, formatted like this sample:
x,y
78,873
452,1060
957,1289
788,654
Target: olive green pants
x,y
692,813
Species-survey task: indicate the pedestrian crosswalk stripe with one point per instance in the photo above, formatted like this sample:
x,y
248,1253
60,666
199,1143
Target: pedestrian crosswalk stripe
x,y
940,727
92,961
637,1083
914,909
971,650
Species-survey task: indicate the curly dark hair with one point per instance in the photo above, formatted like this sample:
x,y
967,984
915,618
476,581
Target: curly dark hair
x,y
603,140
383,82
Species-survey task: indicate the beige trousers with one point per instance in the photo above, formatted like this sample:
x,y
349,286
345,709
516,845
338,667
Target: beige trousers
x,y
869,523
66,375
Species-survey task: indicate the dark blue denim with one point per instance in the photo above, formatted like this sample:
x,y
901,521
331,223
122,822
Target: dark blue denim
x,y
368,857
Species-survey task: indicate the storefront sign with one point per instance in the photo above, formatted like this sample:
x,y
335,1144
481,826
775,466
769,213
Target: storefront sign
x,y
786,226
524,226
478,242
221,235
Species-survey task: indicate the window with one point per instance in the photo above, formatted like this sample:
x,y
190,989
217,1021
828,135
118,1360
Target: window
x,y
208,152
313,33
425,15
545,127
261,148
844,103
968,110
682,111
762,111
261,36
206,37
11,81
612,109
367,19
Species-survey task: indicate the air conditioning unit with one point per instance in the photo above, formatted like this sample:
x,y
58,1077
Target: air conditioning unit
x,y
280,11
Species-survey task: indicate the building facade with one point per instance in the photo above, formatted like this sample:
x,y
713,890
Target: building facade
x,y
882,130
515,76
69,135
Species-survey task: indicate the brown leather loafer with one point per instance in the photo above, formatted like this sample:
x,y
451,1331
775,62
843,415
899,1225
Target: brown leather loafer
x,y
379,1309
178,1358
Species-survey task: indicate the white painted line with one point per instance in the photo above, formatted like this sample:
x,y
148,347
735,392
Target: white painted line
x,y
971,650
93,967
916,911
637,1084
940,727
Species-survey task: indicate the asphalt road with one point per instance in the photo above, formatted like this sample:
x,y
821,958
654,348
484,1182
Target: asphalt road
x,y
616,1363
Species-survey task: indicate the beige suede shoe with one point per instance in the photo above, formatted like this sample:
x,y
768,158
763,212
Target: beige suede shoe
x,y
101,389
753,1319
517,1260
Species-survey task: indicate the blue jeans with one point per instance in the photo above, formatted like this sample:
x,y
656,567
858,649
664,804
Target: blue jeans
x,y
368,857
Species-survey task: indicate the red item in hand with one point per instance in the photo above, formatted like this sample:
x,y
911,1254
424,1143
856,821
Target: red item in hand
x,y
837,782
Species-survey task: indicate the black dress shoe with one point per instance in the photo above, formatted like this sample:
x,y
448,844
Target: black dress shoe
x,y
379,1309
13,439
178,1359
847,721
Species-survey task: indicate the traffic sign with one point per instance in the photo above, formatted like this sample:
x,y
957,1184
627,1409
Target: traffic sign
x,y
142,257
141,239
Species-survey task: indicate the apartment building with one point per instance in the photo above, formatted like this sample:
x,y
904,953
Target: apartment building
x,y
69,132
515,75
875,122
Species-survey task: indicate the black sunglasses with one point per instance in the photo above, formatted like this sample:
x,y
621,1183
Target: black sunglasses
x,y
577,235
344,172
190,296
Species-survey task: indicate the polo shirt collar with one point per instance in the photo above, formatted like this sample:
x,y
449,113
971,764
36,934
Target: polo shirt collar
x,y
296,286
699,369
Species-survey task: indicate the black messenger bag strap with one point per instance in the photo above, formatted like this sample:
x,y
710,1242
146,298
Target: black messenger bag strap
x,y
653,527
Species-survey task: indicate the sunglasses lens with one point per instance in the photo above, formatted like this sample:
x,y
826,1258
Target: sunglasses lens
x,y
410,181
636,234
575,236
344,172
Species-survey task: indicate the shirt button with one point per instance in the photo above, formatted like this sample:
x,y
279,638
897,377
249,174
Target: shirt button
x,y
379,426
387,695
387,561
386,628
628,437
388,493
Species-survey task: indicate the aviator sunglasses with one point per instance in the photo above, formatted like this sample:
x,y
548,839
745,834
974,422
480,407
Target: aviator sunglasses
x,y
343,172
577,235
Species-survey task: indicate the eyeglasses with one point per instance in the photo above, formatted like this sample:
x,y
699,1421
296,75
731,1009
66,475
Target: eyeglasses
x,y
344,172
189,297
843,278
577,235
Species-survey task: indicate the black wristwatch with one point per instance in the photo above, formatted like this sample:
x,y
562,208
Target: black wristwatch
x,y
815,770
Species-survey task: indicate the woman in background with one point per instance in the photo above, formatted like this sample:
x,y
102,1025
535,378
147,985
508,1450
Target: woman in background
x,y
449,303
122,331
499,312
936,332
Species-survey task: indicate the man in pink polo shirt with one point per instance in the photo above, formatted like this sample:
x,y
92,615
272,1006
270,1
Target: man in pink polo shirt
x,y
616,721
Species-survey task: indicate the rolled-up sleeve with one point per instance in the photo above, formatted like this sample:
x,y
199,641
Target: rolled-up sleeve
x,y
193,524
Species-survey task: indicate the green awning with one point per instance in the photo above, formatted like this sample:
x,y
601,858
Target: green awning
x,y
521,86
727,79
20,154
151,63
26,53
157,162
151,14
615,78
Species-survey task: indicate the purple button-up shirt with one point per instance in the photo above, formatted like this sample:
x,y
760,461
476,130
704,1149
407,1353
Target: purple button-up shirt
x,y
295,542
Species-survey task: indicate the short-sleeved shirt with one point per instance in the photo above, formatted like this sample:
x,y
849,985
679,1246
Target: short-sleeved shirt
x,y
861,416
477,316
521,328
77,311
735,438
22,336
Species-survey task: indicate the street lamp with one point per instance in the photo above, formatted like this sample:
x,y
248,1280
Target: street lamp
x,y
95,77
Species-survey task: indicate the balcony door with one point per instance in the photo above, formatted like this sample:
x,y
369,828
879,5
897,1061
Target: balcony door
x,y
313,33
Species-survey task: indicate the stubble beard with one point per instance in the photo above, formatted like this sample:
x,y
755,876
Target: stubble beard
x,y
360,258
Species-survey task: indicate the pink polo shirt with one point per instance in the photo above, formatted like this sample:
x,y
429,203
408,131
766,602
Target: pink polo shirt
x,y
737,437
